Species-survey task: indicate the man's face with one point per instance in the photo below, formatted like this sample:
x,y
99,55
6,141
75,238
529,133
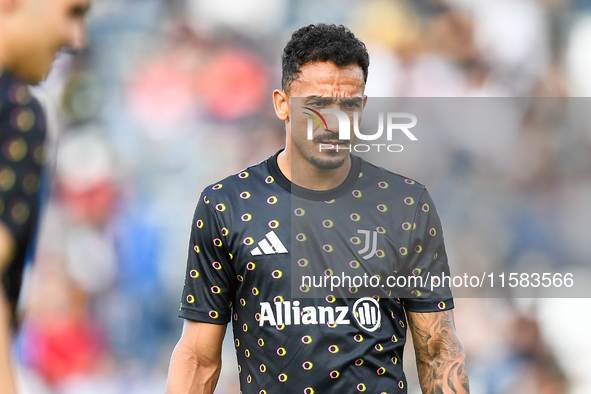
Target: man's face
x,y
45,27
323,85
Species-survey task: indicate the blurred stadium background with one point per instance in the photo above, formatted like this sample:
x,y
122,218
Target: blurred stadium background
x,y
172,95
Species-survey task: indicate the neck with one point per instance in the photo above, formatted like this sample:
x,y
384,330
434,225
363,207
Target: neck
x,y
301,172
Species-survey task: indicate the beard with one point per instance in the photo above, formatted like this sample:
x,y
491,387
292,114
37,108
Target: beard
x,y
328,164
324,164
331,160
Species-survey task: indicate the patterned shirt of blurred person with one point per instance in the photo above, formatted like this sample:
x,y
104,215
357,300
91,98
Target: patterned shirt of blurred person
x,y
31,33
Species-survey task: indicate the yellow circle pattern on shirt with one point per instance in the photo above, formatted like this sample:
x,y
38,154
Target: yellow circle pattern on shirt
x,y
277,274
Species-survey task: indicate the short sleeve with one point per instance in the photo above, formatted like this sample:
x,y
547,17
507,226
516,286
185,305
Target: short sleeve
x,y
427,258
209,280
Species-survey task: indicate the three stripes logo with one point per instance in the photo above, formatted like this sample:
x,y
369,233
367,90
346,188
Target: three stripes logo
x,y
366,311
270,245
369,240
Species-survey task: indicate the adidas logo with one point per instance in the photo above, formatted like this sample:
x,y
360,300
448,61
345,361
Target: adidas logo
x,y
270,245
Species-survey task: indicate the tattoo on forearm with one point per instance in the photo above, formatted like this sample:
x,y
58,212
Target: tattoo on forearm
x,y
441,361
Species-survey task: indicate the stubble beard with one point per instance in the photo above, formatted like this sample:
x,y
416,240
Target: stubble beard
x,y
324,164
327,164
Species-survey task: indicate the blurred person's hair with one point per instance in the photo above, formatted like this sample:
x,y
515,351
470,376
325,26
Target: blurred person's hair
x,y
321,42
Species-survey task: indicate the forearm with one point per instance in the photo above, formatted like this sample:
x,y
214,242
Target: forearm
x,y
191,374
7,249
443,375
441,360
7,385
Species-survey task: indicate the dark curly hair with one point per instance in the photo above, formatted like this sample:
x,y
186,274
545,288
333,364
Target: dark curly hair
x,y
322,42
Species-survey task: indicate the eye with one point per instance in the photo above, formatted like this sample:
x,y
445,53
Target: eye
x,y
79,11
351,104
320,103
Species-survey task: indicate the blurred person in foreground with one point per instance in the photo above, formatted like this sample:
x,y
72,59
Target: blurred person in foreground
x,y
241,249
31,33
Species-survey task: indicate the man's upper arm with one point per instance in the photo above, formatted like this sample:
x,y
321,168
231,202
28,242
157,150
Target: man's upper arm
x,y
196,361
433,333
204,340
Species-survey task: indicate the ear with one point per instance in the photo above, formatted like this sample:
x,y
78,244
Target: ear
x,y
281,104
364,100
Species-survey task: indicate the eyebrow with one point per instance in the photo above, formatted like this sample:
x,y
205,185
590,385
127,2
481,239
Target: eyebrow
x,y
320,99
343,100
351,100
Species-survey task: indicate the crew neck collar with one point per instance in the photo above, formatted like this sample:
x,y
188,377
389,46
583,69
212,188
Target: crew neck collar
x,y
315,195
6,73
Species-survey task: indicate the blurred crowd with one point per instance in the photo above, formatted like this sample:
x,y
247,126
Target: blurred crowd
x,y
172,95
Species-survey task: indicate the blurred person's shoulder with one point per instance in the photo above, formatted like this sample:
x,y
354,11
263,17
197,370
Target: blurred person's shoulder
x,y
18,106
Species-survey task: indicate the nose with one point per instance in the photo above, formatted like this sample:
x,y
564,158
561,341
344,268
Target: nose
x,y
332,123
337,120
77,38
80,36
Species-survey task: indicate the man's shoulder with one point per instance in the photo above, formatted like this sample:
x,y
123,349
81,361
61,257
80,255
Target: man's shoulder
x,y
240,181
383,178
17,104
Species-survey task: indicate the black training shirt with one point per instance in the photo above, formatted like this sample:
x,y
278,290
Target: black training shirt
x,y
22,137
253,232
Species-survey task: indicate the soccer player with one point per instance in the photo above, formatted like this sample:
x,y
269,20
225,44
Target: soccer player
x,y
31,33
249,228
